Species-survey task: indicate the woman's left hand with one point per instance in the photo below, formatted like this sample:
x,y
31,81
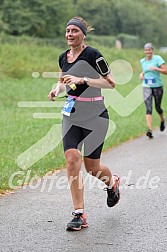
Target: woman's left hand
x,y
70,79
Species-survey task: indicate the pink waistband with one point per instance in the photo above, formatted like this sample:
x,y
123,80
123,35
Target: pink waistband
x,y
88,99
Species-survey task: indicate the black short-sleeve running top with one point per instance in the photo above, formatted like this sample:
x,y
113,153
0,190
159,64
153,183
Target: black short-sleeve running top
x,y
90,63
85,65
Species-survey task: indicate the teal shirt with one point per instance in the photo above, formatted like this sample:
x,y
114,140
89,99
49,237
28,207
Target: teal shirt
x,y
152,79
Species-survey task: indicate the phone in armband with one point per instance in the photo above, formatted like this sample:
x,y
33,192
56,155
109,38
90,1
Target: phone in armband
x,y
102,66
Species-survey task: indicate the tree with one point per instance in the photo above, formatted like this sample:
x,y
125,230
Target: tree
x,y
146,19
36,17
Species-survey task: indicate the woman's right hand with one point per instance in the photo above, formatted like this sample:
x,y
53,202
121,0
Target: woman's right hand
x,y
53,93
141,76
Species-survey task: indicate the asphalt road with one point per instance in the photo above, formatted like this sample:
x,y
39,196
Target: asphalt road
x,y
34,218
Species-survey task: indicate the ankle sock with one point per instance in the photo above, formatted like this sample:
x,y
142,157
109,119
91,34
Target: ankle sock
x,y
79,211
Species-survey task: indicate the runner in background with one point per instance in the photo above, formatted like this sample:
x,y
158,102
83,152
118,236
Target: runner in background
x,y
153,66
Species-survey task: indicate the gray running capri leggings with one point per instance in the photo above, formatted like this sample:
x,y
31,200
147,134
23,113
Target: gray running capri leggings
x,y
148,94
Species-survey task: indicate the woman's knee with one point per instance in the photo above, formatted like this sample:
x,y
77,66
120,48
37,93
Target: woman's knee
x,y
73,159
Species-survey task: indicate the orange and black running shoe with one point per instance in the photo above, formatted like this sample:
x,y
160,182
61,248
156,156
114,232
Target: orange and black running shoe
x,y
113,194
78,222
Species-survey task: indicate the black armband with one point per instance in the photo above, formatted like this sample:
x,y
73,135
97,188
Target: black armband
x,y
102,66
